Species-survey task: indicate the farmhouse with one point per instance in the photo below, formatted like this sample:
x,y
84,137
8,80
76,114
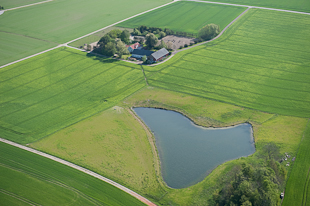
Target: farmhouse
x,y
159,55
139,53
133,47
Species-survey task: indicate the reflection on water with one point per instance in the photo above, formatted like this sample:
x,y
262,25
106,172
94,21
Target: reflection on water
x,y
189,152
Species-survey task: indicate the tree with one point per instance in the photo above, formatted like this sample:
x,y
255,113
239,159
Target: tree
x,y
151,40
209,32
109,49
162,45
125,36
121,48
169,45
115,33
161,34
104,40
136,32
144,58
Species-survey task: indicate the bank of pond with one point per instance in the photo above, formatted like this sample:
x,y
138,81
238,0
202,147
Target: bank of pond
x,y
188,153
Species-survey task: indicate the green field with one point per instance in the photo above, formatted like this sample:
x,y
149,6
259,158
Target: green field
x,y
186,16
260,63
48,92
297,190
30,178
111,143
296,5
7,4
29,30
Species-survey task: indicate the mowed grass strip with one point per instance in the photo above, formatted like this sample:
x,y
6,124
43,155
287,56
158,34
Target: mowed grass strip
x,y
297,188
247,68
58,88
297,5
30,178
186,16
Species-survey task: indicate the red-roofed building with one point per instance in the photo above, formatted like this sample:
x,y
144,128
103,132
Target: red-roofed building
x,y
133,47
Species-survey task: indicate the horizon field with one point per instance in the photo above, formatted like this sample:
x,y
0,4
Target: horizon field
x,y
172,16
37,28
255,64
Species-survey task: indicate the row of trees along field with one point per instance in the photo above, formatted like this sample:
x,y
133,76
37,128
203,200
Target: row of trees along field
x,y
207,32
114,42
254,184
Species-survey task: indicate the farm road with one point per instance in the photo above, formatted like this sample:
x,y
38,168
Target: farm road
x,y
121,187
19,7
254,7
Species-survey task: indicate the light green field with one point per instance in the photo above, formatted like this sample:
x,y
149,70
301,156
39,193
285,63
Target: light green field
x,y
7,4
296,5
29,179
261,62
51,91
111,143
89,142
297,190
186,16
29,30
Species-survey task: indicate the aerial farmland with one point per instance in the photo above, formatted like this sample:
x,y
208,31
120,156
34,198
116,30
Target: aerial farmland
x,y
69,133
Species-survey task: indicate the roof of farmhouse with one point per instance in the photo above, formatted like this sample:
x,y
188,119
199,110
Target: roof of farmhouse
x,y
160,53
142,52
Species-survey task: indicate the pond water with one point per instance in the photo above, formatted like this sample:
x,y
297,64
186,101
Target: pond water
x,y
188,153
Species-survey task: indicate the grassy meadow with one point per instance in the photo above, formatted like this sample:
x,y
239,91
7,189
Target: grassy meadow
x,y
111,143
51,91
89,142
186,16
259,63
29,30
29,179
297,5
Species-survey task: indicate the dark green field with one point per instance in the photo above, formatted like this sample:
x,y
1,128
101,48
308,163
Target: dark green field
x,y
296,5
37,180
186,16
260,63
43,94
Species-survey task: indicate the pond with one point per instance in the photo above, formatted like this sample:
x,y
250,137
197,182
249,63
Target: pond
x,y
188,153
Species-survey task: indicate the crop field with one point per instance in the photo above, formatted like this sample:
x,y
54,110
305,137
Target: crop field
x,y
32,29
34,180
111,143
7,4
53,90
297,189
296,5
261,62
186,16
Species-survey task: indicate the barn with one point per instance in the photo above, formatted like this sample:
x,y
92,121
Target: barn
x,y
159,55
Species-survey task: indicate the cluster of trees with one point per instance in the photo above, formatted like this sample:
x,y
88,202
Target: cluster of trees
x,y
208,32
253,185
1,8
114,42
151,42
159,32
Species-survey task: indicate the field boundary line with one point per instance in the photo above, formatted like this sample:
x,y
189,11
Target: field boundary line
x,y
254,7
28,57
19,7
89,172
